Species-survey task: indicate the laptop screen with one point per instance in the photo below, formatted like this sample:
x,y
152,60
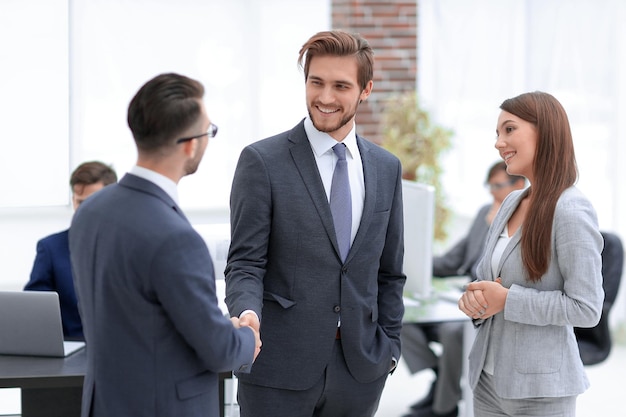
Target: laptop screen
x,y
30,324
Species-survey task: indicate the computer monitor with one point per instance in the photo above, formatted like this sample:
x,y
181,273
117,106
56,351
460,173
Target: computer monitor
x,y
217,238
419,218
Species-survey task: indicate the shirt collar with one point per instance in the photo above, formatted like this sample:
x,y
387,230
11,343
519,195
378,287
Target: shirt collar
x,y
160,180
322,142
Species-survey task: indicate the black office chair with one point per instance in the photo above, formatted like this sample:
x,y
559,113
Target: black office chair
x,y
595,343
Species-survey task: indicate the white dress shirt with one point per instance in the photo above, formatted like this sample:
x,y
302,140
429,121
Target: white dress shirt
x,y
322,144
159,180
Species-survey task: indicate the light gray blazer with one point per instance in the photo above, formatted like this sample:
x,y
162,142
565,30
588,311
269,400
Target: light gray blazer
x,y
536,354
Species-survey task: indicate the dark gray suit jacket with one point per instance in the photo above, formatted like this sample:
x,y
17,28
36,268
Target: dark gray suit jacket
x,y
284,263
155,335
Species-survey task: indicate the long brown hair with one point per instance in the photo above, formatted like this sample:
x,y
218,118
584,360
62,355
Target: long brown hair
x,y
554,169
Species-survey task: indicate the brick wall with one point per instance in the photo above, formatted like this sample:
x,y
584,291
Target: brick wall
x,y
391,29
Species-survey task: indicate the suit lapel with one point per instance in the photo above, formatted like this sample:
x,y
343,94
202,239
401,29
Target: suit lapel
x,y
304,160
507,211
370,179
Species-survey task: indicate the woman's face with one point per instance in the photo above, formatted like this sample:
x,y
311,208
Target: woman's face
x,y
516,140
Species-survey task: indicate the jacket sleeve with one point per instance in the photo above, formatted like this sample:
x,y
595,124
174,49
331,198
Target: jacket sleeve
x,y
250,205
576,260
41,276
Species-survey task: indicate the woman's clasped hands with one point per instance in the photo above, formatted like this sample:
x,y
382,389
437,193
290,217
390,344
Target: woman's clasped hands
x,y
483,299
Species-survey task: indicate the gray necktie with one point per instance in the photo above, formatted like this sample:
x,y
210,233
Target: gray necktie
x,y
341,201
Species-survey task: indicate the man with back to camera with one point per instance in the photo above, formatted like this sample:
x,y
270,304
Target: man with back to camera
x,y
52,270
326,290
156,338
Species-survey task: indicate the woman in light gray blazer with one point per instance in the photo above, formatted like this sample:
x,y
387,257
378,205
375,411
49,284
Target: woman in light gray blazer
x,y
540,275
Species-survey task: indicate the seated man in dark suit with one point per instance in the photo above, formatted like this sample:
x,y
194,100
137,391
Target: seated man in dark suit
x,y
461,260
52,270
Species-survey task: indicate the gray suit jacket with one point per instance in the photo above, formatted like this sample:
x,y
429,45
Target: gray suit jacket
x,y
535,351
156,338
284,263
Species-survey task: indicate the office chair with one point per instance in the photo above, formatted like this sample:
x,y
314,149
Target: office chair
x,y
595,343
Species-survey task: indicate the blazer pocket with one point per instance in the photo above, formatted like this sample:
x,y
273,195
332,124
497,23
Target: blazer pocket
x,y
194,386
538,349
284,302
375,313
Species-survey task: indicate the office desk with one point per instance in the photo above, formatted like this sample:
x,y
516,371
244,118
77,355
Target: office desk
x,y
432,311
52,387
440,310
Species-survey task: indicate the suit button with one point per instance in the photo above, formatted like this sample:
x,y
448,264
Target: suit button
x,y
336,309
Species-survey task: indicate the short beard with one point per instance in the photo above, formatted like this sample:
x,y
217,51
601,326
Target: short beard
x,y
339,125
191,166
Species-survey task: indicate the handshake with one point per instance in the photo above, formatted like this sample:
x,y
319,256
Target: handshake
x,y
250,320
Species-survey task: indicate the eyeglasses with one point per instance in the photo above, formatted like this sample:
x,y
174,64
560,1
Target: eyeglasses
x,y
500,185
210,133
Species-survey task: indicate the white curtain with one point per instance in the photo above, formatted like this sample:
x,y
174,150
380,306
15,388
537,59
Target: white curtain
x,y
475,54
244,52
34,112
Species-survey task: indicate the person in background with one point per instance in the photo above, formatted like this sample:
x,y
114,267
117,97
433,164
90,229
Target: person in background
x,y
156,337
317,248
52,270
461,260
541,273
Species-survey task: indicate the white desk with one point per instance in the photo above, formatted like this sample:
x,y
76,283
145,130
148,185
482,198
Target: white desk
x,y
440,310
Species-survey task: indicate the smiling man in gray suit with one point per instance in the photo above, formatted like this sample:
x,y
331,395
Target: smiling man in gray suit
x,y
325,290
156,338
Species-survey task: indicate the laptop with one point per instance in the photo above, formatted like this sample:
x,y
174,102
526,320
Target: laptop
x,y
30,325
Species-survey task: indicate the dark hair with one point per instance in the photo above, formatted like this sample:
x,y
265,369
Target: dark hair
x,y
93,172
163,108
501,166
340,43
554,169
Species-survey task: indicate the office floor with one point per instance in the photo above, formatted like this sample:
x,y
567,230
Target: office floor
x,y
604,398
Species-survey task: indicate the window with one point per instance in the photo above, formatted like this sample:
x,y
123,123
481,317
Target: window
x,y
34,110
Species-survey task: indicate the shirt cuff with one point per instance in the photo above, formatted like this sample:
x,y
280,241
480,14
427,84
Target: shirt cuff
x,y
243,313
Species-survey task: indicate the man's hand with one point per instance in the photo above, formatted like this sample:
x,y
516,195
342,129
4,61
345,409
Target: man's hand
x,y
250,320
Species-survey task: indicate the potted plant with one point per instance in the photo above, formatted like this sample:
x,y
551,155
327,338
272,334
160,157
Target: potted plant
x,y
409,133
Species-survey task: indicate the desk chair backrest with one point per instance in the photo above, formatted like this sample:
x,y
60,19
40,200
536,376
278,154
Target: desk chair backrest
x,y
595,343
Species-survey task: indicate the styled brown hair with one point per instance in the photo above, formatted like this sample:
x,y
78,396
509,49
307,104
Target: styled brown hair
x,y
554,169
339,43
162,108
